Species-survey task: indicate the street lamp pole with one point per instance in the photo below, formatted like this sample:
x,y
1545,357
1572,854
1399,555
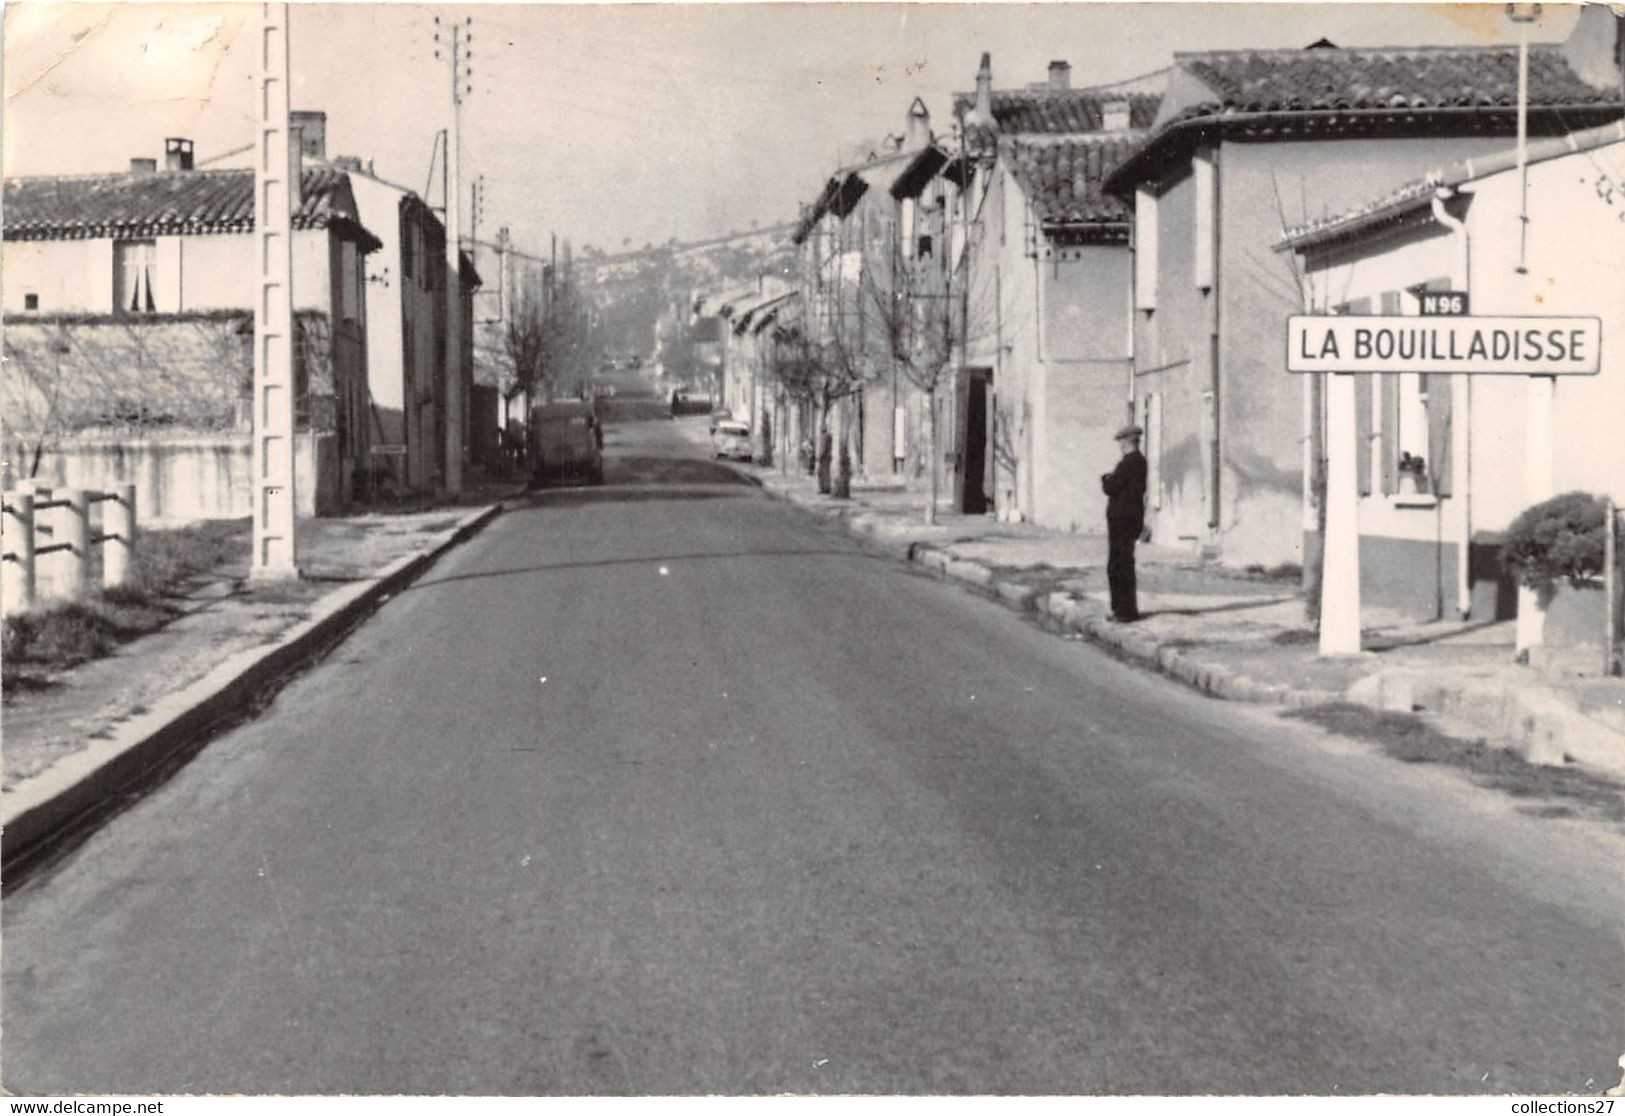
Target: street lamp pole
x,y
1542,390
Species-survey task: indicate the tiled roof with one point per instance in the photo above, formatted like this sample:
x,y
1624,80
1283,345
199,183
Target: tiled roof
x,y
1386,78
1062,176
171,203
842,193
1420,191
1056,111
1379,90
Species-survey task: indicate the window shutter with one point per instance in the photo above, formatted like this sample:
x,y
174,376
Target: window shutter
x,y
1388,447
1145,249
1202,250
1362,430
1362,407
1439,390
1388,439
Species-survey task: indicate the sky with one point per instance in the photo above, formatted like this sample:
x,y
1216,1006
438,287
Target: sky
x,y
615,125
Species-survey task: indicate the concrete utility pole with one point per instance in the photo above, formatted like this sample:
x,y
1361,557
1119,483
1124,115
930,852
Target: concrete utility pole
x,y
458,37
276,186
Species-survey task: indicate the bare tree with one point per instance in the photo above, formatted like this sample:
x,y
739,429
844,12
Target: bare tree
x,y
33,400
523,337
928,313
850,359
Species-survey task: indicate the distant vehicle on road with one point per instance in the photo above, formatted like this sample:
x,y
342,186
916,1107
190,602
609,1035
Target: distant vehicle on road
x,y
732,439
718,417
566,441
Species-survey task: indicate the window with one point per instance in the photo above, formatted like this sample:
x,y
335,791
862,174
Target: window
x,y
1412,440
30,301
1145,249
1202,254
133,264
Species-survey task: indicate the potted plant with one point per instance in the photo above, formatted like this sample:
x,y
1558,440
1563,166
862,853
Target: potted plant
x,y
1556,548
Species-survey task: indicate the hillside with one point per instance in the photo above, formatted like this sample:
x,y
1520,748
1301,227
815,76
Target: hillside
x,y
633,291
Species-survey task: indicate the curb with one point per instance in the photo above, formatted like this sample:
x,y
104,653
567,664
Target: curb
x,y
1135,645
1525,721
1059,611
83,786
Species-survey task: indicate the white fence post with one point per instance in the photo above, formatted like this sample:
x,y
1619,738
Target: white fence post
x,y
118,535
43,534
18,575
73,535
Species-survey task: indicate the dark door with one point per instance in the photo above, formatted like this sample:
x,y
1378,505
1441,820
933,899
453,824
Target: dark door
x,y
973,464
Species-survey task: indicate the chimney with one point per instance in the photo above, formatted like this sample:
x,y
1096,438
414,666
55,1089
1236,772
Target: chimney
x,y
1595,47
1060,75
981,113
1114,116
143,166
177,153
311,124
917,133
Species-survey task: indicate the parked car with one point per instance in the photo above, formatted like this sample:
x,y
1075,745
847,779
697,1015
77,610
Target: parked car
x,y
566,441
732,439
718,416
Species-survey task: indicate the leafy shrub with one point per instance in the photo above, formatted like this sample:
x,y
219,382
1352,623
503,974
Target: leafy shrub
x,y
1560,538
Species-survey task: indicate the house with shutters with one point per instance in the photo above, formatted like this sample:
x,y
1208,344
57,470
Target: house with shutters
x,y
748,388
877,247
847,239
128,334
1249,142
1048,377
409,370
1445,462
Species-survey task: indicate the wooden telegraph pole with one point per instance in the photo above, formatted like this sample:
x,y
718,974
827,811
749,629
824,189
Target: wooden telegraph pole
x,y
276,190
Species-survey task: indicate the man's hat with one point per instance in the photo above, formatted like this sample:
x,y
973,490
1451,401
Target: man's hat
x,y
1129,431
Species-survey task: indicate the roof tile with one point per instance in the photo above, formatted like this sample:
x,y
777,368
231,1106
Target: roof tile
x,y
1386,77
169,203
1063,176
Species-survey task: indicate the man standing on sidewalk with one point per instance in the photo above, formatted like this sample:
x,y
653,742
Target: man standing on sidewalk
x,y
1125,519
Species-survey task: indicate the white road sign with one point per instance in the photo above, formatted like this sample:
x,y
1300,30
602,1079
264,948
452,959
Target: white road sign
x,y
1544,346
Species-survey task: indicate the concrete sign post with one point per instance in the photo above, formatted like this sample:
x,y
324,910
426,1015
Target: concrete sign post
x,y
1388,344
1537,486
1340,549
276,170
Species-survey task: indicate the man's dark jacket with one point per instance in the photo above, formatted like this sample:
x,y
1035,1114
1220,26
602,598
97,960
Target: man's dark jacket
x,y
1125,491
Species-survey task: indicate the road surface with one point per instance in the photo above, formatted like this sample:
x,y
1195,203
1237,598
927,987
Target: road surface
x,y
668,788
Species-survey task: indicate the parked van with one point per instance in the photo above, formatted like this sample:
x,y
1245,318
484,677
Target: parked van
x,y
566,441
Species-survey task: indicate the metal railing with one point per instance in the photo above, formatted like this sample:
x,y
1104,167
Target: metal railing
x,y
33,512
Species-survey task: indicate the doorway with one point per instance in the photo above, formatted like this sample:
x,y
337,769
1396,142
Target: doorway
x,y
971,485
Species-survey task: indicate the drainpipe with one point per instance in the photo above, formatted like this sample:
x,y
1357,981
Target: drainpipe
x,y
1463,391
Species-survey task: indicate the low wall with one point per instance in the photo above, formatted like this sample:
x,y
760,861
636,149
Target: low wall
x,y
182,480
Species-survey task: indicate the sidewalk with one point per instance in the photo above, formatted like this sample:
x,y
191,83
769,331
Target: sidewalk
x,y
1243,636
232,640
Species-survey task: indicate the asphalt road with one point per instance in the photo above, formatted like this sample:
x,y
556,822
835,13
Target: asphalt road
x,y
669,788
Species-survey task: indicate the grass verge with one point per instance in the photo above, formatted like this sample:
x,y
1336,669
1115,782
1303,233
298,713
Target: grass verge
x,y
64,634
1565,791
